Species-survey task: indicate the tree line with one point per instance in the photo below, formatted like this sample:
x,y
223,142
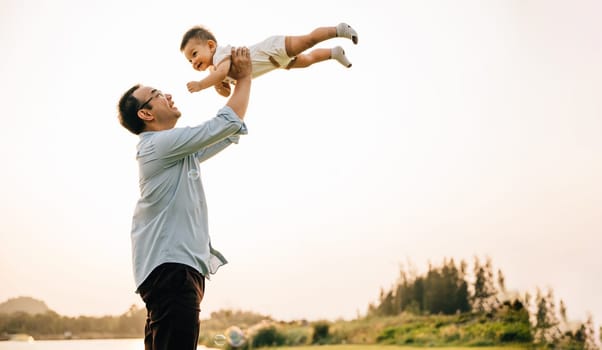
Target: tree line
x,y
448,290
52,325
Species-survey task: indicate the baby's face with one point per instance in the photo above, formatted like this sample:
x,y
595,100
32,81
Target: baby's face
x,y
199,53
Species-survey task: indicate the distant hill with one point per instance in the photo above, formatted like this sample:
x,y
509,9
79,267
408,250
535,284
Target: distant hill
x,y
24,304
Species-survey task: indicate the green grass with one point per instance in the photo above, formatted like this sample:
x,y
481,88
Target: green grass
x,y
395,347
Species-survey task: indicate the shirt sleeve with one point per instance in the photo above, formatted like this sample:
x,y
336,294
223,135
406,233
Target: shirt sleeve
x,y
214,149
208,138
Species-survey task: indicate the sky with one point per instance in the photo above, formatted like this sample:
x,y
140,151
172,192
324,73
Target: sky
x,y
463,129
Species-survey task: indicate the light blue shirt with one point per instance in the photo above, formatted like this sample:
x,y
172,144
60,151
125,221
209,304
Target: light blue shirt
x,y
170,219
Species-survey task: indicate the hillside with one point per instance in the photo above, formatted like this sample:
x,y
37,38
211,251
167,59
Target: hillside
x,y
24,304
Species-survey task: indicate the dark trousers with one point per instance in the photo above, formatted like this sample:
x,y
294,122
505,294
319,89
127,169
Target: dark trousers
x,y
172,294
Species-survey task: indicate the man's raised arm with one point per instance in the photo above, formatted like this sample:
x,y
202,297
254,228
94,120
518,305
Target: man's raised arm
x,y
240,69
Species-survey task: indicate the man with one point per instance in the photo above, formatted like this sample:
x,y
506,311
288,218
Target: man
x,y
171,247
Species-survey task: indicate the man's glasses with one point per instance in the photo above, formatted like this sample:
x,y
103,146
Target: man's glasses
x,y
159,93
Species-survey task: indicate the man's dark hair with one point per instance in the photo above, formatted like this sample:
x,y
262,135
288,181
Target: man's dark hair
x,y
196,32
128,111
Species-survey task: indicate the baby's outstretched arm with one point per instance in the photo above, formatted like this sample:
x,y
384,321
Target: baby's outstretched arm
x,y
213,79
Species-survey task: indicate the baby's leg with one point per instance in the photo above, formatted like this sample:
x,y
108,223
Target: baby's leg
x,y
297,44
319,55
306,60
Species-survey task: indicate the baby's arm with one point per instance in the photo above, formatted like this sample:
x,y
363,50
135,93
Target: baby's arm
x,y
213,79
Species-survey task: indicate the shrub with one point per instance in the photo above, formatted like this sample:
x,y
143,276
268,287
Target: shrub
x,y
296,336
320,335
387,335
515,333
268,336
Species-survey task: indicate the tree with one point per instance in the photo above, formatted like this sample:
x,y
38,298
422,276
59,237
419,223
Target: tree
x,y
463,295
541,318
562,311
501,281
442,290
554,333
546,322
484,298
590,336
445,290
385,307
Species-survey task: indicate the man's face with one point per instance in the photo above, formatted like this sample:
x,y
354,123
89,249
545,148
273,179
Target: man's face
x,y
199,53
156,108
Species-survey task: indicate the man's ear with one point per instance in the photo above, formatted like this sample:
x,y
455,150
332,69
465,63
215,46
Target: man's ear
x,y
145,115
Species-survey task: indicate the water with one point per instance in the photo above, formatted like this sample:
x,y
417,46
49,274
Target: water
x,y
95,344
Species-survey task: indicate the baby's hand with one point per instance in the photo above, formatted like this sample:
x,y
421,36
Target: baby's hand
x,y
223,88
194,86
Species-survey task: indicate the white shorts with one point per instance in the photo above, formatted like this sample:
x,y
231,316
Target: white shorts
x,y
266,55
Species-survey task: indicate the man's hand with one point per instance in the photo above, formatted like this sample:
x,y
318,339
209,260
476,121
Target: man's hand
x,y
223,88
240,67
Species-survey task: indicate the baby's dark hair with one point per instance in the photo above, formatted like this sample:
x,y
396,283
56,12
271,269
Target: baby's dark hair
x,y
197,32
128,111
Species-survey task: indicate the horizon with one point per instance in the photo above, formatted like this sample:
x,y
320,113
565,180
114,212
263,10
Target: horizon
x,y
503,295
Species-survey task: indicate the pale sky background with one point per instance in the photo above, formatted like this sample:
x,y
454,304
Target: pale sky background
x,y
463,128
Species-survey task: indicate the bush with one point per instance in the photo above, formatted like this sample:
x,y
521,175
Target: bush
x,y
296,336
515,333
320,333
387,336
268,336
